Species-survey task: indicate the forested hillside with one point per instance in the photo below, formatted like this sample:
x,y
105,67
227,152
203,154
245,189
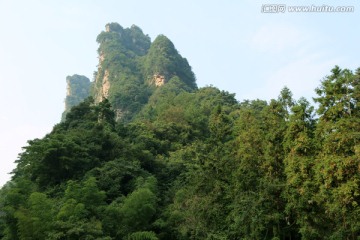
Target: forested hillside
x,y
155,157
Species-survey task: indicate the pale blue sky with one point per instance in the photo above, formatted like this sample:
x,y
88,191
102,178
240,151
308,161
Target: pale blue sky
x,y
229,44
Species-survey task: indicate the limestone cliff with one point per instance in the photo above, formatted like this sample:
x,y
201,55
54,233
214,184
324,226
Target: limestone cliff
x,y
77,89
158,80
131,68
118,77
163,61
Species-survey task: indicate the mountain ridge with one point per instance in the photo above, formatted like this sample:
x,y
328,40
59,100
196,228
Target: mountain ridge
x,y
130,68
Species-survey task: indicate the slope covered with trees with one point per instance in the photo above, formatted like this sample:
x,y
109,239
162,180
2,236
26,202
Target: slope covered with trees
x,y
192,163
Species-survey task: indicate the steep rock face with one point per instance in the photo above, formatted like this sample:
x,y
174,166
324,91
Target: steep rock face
x,y
106,85
103,87
158,80
119,78
164,60
131,68
77,89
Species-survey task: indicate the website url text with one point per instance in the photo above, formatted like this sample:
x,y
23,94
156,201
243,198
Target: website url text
x,y
282,8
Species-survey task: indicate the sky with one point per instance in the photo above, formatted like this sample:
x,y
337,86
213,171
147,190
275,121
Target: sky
x,y
230,44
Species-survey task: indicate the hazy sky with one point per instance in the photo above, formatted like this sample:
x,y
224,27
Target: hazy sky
x,y
230,44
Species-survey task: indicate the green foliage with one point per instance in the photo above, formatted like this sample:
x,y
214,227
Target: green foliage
x,y
164,59
128,63
82,142
137,210
299,168
337,164
78,216
13,195
132,38
120,50
177,162
246,177
35,221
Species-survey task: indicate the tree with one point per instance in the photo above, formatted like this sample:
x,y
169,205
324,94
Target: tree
x,y
35,221
200,206
272,182
78,217
337,163
299,144
13,196
138,208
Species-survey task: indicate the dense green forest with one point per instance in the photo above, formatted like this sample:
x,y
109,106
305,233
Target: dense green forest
x,y
188,162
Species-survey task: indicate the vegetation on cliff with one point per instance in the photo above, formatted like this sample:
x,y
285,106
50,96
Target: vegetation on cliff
x,y
78,88
129,66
